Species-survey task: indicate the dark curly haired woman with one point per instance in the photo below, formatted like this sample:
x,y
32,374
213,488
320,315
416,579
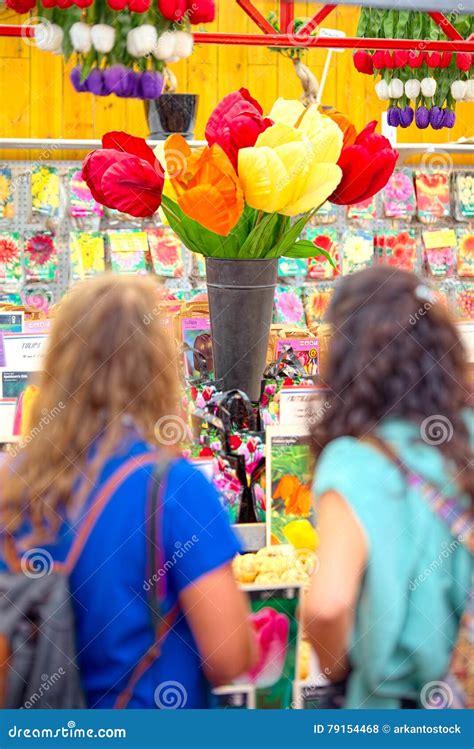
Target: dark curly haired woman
x,y
385,605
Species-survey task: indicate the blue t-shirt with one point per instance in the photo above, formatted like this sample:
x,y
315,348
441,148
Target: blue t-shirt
x,y
110,584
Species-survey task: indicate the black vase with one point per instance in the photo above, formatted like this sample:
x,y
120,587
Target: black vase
x,y
241,296
172,113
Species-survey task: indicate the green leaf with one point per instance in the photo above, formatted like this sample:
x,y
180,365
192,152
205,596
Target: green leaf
x,y
390,24
290,236
364,20
305,248
262,235
88,62
417,24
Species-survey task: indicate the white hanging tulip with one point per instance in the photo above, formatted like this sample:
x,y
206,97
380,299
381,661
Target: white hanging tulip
x,y
132,43
183,44
381,89
80,35
49,37
469,96
412,88
428,87
103,38
458,90
396,88
146,39
165,46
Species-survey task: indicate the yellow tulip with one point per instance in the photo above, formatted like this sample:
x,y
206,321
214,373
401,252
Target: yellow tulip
x,y
301,535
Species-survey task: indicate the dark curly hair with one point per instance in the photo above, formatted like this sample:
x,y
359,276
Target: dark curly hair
x,y
395,351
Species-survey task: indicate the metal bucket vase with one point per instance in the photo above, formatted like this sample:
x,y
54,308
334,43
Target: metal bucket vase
x,y
241,296
172,113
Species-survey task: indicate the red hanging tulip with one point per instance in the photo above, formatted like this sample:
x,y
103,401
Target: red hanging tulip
x,y
363,62
401,58
378,59
117,4
236,123
201,11
463,61
366,166
49,3
445,60
433,59
389,59
64,4
138,6
416,59
83,3
20,6
125,175
172,10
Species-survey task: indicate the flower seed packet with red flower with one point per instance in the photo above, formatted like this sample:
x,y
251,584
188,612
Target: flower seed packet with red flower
x,y
464,196
465,252
166,252
289,267
397,248
363,211
10,259
40,256
326,239
357,250
316,304
45,190
288,306
398,196
81,202
433,198
464,300
439,251
6,193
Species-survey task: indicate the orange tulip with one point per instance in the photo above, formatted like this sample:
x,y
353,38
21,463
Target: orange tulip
x,y
344,123
295,495
206,186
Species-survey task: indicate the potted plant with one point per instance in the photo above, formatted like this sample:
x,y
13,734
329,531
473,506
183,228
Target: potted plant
x,y
242,202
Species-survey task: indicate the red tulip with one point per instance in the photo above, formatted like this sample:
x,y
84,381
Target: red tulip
x,y
416,59
172,10
463,61
236,123
378,59
389,59
366,167
21,6
401,58
201,11
445,60
125,175
117,4
433,59
138,6
363,62
83,3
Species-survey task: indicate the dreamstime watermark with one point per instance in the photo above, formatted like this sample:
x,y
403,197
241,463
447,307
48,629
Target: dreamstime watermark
x,y
171,430
446,552
436,430
47,682
170,695
316,414
36,563
436,695
436,160
180,551
46,418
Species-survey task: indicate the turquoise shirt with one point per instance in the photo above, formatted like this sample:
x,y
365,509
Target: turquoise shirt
x,y
417,577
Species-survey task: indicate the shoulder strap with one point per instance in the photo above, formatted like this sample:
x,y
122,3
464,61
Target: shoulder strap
x,y
447,509
155,552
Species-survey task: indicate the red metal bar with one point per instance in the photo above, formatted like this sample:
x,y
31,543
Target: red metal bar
x,y
287,15
317,19
14,30
446,26
255,15
292,40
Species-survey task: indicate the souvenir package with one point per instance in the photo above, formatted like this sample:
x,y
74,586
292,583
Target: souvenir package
x,y
289,500
357,250
326,239
440,251
464,195
40,256
288,306
128,251
316,304
81,202
398,196
10,259
45,190
397,248
166,252
432,196
465,252
6,193
364,211
292,267
87,253
464,300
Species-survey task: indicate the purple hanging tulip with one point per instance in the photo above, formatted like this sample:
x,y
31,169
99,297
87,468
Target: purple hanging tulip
x,y
150,85
95,82
436,118
449,118
422,117
75,78
406,116
393,116
113,79
129,87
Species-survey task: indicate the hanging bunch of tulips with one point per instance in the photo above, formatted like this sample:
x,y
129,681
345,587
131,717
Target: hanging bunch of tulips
x,y
239,196
123,53
418,86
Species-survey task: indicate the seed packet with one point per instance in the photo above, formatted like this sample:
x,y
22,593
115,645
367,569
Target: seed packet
x,y
6,193
45,184
289,475
327,214
398,196
166,252
38,297
10,259
439,251
305,349
465,252
464,196
196,333
326,239
13,383
432,196
81,202
316,303
397,248
40,256
199,265
288,306
290,267
128,250
464,300
87,253
366,210
357,250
